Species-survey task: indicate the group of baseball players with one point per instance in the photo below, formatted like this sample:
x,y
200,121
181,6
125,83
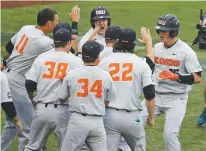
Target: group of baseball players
x,y
92,99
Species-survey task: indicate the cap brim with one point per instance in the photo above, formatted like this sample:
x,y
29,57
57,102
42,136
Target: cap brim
x,y
164,28
101,17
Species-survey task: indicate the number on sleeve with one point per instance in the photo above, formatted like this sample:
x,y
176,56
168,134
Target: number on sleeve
x,y
22,44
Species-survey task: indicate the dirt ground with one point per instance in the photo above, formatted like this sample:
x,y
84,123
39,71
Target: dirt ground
x,y
12,4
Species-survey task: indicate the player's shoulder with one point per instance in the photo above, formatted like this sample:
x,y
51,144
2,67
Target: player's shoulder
x,y
27,27
185,48
158,45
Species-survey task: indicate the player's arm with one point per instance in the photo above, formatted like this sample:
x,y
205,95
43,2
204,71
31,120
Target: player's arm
x,y
31,78
64,90
74,17
111,90
149,93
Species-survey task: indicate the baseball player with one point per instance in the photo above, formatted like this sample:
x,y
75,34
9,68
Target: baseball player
x,y
131,75
89,89
177,68
7,103
201,120
111,38
100,20
23,48
46,76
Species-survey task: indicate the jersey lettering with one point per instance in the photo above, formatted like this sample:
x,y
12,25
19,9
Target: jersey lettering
x,y
125,75
55,70
166,61
22,44
95,88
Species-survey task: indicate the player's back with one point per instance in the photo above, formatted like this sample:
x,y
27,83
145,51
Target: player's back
x,y
29,42
88,89
127,71
50,69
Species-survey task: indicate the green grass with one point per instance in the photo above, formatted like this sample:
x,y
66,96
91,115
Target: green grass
x,y
134,15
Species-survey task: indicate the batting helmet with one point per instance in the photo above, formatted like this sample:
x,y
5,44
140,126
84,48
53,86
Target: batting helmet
x,y
169,23
99,13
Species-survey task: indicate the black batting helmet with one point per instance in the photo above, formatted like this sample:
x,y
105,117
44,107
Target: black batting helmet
x,y
169,23
99,13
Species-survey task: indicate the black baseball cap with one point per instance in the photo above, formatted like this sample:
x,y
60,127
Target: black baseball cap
x,y
113,33
127,35
60,25
62,35
91,49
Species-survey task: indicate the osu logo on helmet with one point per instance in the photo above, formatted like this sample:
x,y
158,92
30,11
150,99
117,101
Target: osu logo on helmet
x,y
161,22
98,12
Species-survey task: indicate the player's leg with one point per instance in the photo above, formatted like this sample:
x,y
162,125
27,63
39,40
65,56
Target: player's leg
x,y
201,120
111,127
42,126
133,130
61,123
23,106
173,121
8,133
123,146
96,140
137,144
77,131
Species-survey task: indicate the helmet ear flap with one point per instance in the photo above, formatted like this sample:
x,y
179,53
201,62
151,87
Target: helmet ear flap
x,y
92,24
157,30
173,34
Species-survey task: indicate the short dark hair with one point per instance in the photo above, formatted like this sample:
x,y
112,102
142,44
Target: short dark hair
x,y
89,60
125,47
111,41
60,44
45,15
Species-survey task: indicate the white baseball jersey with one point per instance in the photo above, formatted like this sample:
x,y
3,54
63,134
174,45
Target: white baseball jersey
x,y
48,70
88,87
5,91
180,58
99,39
130,74
106,52
29,43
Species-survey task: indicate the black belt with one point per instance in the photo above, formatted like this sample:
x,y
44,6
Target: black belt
x,y
123,110
84,114
55,105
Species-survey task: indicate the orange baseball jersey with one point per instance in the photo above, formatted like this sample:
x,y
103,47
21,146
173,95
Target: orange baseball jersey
x,y
180,58
88,87
48,70
29,43
130,74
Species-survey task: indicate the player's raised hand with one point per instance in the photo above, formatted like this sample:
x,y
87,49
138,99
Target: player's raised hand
x,y
75,14
164,75
146,37
93,35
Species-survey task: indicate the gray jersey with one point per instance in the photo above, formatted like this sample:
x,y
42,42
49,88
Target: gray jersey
x,y
48,70
180,58
130,74
88,87
5,91
29,42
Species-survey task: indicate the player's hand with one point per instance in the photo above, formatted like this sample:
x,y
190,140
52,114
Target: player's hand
x,y
75,14
20,126
150,122
164,75
146,37
92,37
